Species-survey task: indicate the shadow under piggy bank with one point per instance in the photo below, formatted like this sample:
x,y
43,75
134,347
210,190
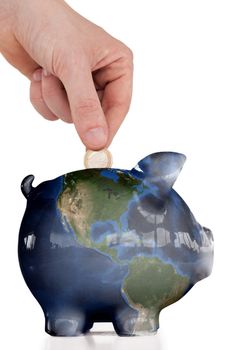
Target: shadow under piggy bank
x,y
111,245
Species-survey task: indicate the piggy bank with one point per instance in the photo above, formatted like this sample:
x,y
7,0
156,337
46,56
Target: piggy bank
x,y
111,245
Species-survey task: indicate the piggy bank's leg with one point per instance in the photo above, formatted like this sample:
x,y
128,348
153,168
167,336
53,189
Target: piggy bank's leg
x,y
67,325
144,322
124,321
147,322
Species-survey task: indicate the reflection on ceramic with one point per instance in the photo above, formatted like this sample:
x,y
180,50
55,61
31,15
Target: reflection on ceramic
x,y
111,245
105,340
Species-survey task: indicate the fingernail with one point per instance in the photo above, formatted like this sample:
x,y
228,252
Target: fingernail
x,y
46,73
96,137
37,75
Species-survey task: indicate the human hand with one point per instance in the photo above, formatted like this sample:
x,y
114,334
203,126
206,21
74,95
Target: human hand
x,y
78,72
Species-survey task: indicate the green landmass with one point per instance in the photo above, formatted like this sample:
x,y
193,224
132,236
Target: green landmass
x,y
152,284
88,197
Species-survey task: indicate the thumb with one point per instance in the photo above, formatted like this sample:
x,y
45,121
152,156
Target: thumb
x,y
86,110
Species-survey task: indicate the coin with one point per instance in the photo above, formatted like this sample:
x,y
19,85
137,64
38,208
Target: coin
x,y
98,159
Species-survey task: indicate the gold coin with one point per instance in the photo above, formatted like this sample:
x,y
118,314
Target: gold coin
x,y
98,159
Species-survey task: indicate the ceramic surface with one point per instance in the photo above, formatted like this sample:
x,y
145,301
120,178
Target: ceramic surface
x,y
111,245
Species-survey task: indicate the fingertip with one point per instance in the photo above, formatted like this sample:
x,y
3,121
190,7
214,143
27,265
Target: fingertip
x,y
95,138
90,122
37,75
46,73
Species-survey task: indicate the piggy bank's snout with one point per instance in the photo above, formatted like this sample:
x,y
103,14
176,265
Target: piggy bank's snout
x,y
208,233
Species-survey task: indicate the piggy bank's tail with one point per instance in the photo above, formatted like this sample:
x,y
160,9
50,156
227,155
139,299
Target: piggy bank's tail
x,y
26,185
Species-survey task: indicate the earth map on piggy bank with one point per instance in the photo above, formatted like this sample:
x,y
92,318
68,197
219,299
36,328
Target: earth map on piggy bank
x,y
148,246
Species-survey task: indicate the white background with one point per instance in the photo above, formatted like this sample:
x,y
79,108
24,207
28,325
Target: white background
x,y
182,101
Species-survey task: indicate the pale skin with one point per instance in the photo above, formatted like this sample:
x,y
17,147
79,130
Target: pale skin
x,y
78,72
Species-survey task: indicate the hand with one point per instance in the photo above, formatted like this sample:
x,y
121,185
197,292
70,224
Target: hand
x,y
78,72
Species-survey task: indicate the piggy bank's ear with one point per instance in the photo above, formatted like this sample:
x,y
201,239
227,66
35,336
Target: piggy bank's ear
x,y
160,170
